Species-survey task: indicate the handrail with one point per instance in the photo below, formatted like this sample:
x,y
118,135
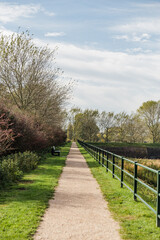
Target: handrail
x,y
102,155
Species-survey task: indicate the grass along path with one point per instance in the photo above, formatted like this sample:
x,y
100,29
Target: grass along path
x,y
136,220
23,205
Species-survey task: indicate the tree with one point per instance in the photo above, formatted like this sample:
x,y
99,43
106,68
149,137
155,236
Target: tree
x,y
70,131
29,77
106,122
150,112
135,129
85,125
120,126
71,119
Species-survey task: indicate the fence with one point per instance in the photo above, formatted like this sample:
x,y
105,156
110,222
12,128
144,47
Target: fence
x,y
113,162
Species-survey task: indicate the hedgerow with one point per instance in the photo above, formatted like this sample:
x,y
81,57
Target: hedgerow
x,y
21,132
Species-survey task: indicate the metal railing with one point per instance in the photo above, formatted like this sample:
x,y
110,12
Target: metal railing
x,y
106,158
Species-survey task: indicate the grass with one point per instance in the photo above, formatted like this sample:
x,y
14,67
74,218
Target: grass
x,y
136,220
22,205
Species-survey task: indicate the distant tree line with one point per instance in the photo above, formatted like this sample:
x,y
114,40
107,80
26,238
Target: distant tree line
x,y
32,98
91,125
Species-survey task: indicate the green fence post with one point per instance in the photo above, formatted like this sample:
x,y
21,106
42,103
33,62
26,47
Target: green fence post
x,y
96,154
107,163
102,158
99,156
158,199
122,167
113,162
135,180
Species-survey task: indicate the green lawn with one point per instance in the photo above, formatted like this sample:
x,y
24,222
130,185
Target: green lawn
x,y
22,205
136,220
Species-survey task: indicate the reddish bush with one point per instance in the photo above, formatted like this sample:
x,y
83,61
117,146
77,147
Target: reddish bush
x,y
30,135
7,135
57,136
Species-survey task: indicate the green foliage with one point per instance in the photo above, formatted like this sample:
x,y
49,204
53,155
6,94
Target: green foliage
x,y
85,125
22,207
27,161
70,132
13,166
9,171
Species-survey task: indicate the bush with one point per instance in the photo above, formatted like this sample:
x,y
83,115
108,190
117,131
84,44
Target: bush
x,y
23,132
56,136
9,171
13,166
7,135
29,133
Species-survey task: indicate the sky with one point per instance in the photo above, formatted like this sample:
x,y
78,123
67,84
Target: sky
x,y
109,48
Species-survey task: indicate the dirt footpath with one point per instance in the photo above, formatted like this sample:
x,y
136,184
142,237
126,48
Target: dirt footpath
x,y
78,210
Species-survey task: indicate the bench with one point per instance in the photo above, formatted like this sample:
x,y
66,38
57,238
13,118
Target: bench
x,y
54,151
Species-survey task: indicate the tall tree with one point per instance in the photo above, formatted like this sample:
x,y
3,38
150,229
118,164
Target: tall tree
x,y
106,122
135,129
28,75
120,126
70,132
86,125
71,119
150,112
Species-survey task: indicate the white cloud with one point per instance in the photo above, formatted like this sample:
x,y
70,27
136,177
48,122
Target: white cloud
x,y
111,81
154,5
137,50
141,25
122,37
55,34
50,14
141,38
134,37
11,12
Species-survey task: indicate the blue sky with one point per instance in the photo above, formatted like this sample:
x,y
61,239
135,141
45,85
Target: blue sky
x,y
110,48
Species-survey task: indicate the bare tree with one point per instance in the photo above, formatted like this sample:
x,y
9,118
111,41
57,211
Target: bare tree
x,y
120,126
150,112
136,131
106,122
29,75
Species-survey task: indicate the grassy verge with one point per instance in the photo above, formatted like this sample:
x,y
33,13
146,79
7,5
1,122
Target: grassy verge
x,y
136,220
22,205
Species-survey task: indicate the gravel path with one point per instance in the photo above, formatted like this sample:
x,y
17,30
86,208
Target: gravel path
x,y
78,210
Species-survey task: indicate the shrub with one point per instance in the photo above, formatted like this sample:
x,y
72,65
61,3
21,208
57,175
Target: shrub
x,y
25,133
27,161
7,135
9,171
56,136
31,136
29,133
13,166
